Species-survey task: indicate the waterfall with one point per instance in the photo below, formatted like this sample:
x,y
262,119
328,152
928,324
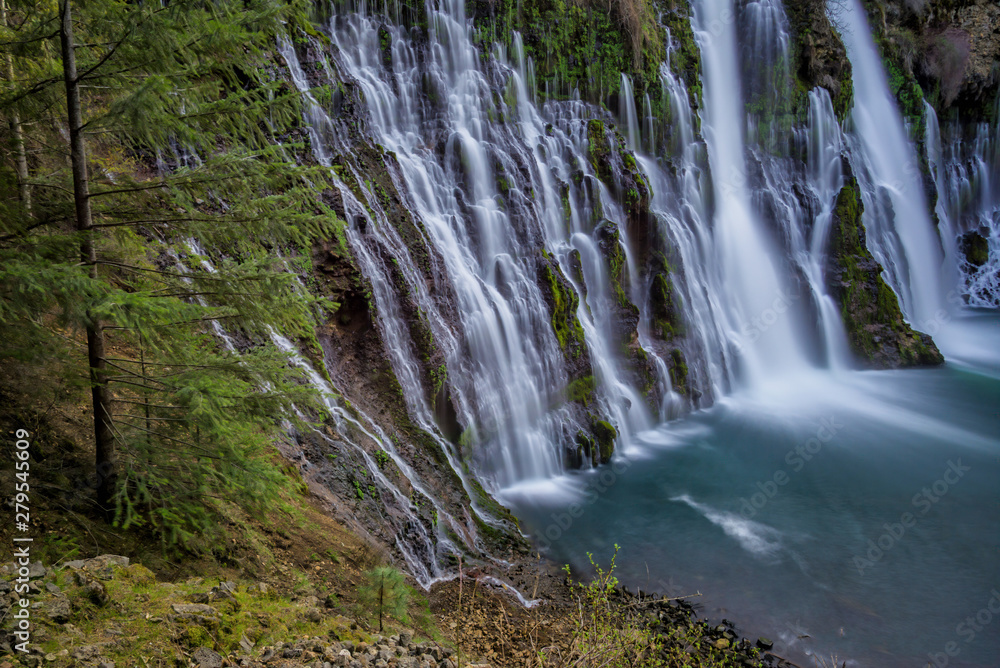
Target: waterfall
x,y
967,202
420,547
764,62
746,258
901,234
509,223
504,373
824,146
467,189
626,110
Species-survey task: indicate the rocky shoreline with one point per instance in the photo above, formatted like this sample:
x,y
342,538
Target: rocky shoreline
x,y
107,612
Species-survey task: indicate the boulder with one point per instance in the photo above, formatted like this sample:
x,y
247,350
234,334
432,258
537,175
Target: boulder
x,y
58,609
193,609
207,658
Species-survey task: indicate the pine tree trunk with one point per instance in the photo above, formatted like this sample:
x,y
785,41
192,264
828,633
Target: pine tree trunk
x,y
381,605
103,437
20,157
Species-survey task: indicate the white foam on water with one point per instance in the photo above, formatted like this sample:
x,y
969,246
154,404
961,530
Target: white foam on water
x,y
754,537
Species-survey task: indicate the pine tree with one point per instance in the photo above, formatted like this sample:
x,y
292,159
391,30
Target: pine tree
x,y
385,593
149,132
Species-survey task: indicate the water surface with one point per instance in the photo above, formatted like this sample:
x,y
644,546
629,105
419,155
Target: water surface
x,y
853,514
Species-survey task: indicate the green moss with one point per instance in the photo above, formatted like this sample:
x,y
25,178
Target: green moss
x,y
617,265
664,314
818,58
565,324
567,208
385,46
142,608
605,435
498,537
599,150
438,378
578,45
685,57
581,390
893,48
678,371
975,248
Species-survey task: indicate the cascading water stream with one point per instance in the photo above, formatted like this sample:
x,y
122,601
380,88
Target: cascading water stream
x,y
391,322
411,531
824,146
507,374
506,378
746,257
562,238
901,234
964,173
629,118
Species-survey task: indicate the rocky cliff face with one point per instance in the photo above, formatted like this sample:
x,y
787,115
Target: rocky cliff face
x,y
573,47
820,55
948,48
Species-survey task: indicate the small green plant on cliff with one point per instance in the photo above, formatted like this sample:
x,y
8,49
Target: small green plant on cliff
x,y
384,594
606,634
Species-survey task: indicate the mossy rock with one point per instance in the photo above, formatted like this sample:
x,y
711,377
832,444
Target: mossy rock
x,y
975,248
604,435
599,150
584,450
563,303
579,45
685,56
609,241
664,312
876,330
678,371
581,390
819,56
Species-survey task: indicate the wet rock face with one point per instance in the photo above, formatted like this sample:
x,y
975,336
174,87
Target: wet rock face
x,y
820,56
975,248
878,335
949,46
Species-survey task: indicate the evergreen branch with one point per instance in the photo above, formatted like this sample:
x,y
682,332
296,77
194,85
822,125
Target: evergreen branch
x,y
149,417
205,453
122,40
38,223
177,322
36,184
212,294
170,221
154,379
37,88
136,268
145,387
148,363
143,403
40,38
122,191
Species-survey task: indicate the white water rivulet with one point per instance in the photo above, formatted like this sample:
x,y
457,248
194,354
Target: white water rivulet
x,y
774,470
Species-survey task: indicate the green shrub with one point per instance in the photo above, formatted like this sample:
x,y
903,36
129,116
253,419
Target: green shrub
x,y
605,634
384,594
